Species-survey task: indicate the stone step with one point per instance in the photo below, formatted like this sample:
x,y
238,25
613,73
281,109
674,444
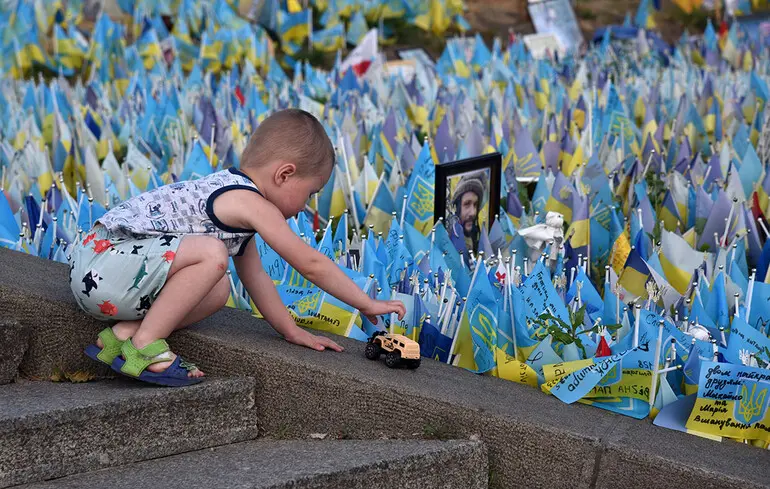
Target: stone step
x,y
50,429
534,440
263,464
14,339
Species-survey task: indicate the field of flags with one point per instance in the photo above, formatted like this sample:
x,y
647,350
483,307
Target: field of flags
x,y
655,304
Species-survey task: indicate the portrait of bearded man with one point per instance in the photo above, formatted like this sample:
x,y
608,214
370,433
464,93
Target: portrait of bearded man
x,y
467,200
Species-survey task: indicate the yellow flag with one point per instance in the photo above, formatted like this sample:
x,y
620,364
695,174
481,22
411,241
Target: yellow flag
x,y
509,368
293,6
554,372
620,252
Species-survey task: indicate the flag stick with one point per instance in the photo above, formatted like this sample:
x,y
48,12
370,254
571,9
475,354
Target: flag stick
x,y
513,323
447,312
403,212
90,211
448,315
53,240
732,259
22,235
212,146
233,290
392,314
669,369
656,360
729,220
637,318
750,293
764,227
647,165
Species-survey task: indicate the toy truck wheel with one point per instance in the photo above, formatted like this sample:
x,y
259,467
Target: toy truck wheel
x,y
392,359
413,364
372,351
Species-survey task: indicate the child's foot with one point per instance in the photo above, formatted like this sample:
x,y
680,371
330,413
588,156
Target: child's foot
x,y
156,363
194,372
125,330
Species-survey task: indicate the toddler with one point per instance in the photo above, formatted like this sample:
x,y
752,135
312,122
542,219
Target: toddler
x,y
157,262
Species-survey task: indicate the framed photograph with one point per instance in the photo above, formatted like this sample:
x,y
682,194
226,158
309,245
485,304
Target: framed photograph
x,y
468,197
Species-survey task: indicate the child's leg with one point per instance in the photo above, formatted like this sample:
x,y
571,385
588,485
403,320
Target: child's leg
x,y
213,302
196,287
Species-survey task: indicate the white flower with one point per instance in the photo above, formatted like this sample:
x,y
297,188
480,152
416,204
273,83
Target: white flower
x,y
745,357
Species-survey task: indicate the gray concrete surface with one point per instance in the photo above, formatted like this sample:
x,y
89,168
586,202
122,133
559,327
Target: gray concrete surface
x,y
634,451
52,429
14,339
534,440
271,464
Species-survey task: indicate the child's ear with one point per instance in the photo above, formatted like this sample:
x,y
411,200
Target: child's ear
x,y
284,172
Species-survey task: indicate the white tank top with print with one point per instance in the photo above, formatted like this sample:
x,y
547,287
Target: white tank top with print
x,y
182,208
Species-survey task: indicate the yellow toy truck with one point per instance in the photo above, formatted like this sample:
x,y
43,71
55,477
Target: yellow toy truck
x,y
398,349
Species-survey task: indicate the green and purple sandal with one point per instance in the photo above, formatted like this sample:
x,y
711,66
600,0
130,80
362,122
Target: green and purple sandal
x,y
135,362
111,350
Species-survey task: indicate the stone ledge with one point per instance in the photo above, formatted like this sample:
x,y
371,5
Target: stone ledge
x,y
15,339
268,464
532,438
50,430
635,452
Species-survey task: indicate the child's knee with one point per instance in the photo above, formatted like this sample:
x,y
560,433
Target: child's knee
x,y
217,254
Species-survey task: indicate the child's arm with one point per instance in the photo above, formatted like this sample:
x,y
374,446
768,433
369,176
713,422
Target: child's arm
x,y
320,270
254,212
260,287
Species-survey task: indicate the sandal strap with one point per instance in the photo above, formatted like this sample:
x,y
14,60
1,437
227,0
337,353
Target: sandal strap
x,y
157,347
108,338
137,360
111,346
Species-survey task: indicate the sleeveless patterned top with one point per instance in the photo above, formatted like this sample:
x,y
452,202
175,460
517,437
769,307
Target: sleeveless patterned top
x,y
182,208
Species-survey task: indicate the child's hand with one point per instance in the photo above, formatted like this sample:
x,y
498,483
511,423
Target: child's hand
x,y
377,308
303,337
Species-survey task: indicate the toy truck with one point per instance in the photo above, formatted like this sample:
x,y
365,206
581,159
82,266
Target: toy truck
x,y
398,349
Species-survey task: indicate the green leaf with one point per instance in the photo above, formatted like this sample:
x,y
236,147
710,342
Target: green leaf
x,y
548,317
613,327
562,337
579,317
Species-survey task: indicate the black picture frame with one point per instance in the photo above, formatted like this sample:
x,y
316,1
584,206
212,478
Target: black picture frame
x,y
444,171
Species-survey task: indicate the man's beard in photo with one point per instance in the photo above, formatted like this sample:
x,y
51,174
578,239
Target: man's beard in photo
x,y
474,228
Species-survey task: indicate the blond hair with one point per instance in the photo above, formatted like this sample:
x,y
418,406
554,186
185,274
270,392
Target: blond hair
x,y
290,135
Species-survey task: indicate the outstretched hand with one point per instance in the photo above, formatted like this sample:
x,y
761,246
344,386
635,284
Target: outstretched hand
x,y
377,308
303,337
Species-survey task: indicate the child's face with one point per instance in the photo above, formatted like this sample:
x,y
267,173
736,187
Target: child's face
x,y
294,194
